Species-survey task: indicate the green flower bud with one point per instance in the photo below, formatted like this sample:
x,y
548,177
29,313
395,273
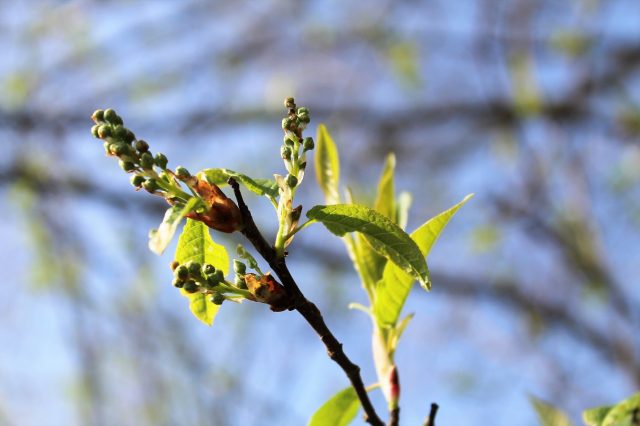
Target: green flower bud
x,y
289,103
118,148
239,267
288,142
242,252
285,152
182,173
304,118
292,181
182,272
303,111
190,287
97,116
119,132
194,268
137,180
308,144
161,160
286,123
240,282
208,269
218,275
104,131
217,299
142,146
212,281
127,166
177,283
111,116
94,131
146,161
106,146
151,185
129,136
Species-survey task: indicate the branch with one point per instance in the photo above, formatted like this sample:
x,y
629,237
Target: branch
x,y
431,420
306,308
394,417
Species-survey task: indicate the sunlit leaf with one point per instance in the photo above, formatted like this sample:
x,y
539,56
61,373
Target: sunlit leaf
x,y
196,245
402,208
595,416
548,414
220,177
385,237
623,413
393,289
327,165
159,239
339,410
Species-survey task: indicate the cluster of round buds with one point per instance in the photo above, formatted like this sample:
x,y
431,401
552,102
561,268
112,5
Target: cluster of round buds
x,y
193,277
297,118
133,154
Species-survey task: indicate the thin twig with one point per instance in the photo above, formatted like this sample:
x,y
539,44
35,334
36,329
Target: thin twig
x,y
394,417
306,308
431,420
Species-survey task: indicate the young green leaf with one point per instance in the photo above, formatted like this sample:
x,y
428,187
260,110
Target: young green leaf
x,y
196,245
548,414
340,410
220,177
392,290
595,416
623,413
327,165
385,199
368,262
159,239
385,237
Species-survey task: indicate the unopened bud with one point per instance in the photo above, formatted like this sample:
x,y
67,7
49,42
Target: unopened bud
x,y
239,267
182,272
119,132
292,181
304,118
240,282
182,173
177,283
111,116
151,185
118,148
190,286
98,116
137,180
303,111
104,131
94,131
208,269
289,103
174,265
288,142
285,152
286,123
161,160
146,161
129,136
127,166
142,146
308,144
217,299
218,275
194,268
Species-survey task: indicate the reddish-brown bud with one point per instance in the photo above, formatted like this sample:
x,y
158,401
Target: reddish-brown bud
x,y
221,213
267,290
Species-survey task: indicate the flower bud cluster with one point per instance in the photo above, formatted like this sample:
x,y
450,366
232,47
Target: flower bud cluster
x,y
294,154
192,277
150,173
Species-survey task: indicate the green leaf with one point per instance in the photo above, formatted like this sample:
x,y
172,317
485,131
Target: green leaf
x,y
196,245
622,413
220,177
385,237
368,262
385,200
159,239
548,414
340,410
392,290
595,416
327,165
